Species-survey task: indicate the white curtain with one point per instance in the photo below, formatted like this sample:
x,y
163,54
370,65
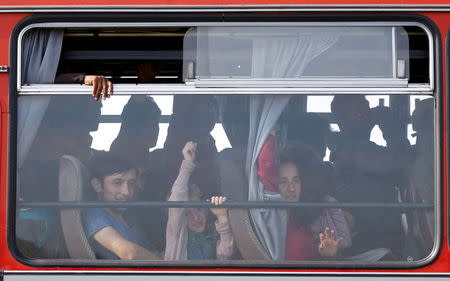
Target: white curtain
x,y
287,57
270,52
41,50
275,58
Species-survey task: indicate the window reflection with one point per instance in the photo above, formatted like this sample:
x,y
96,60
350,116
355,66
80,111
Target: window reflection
x,y
276,148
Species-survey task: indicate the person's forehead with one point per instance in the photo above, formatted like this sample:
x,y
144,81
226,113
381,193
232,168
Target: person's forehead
x,y
288,168
123,175
196,210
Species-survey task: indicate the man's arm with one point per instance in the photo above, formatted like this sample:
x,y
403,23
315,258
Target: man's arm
x,y
176,229
109,238
102,87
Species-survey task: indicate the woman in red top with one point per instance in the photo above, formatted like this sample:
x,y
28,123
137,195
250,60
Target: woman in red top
x,y
312,233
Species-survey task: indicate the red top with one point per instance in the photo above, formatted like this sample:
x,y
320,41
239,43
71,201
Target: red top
x,y
267,165
300,244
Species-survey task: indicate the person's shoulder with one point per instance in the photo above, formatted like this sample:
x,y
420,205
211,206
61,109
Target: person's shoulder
x,y
94,219
94,212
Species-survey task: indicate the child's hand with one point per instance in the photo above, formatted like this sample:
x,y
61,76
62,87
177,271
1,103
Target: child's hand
x,y
220,213
189,150
329,245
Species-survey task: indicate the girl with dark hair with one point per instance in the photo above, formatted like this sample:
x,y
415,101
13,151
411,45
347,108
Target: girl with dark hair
x,y
312,233
190,233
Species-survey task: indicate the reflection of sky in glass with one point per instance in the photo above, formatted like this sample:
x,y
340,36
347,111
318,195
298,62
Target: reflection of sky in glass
x,y
322,104
219,135
107,132
412,102
327,155
165,103
376,136
412,140
105,135
163,128
334,127
319,104
377,100
114,105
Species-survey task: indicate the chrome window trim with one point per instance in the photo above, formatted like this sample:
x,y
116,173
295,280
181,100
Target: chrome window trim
x,y
124,89
228,272
181,89
306,82
227,24
224,276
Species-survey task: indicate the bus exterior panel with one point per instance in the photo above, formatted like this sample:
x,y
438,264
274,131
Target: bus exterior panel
x,y
13,269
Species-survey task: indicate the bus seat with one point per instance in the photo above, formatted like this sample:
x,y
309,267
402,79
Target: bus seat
x,y
73,176
234,185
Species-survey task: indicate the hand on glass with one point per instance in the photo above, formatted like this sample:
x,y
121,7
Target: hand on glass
x,y
329,245
189,150
102,87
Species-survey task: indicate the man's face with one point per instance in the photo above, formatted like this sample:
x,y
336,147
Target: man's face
x,y
119,187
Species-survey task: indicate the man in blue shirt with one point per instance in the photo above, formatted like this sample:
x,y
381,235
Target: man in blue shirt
x,y
111,233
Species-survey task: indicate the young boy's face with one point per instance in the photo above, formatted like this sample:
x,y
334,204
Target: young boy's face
x,y
119,187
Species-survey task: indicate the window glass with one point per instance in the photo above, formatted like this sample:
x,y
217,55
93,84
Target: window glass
x,y
382,56
298,52
353,155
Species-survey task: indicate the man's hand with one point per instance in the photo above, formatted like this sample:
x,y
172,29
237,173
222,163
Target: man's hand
x,y
220,213
189,151
329,245
101,86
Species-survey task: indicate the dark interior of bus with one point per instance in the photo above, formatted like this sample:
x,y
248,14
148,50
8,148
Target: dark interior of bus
x,y
119,53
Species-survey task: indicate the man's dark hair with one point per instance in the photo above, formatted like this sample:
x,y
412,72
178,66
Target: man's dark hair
x,y
105,164
138,109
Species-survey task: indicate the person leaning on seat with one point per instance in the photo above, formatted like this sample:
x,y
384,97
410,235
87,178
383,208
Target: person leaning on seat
x,y
112,234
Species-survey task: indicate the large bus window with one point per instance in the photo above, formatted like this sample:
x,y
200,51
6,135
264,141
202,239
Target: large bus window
x,y
274,139
297,145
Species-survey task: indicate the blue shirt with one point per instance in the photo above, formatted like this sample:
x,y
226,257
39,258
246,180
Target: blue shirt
x,y
95,219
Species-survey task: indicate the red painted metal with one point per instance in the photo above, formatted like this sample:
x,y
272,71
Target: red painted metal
x,y
7,22
62,3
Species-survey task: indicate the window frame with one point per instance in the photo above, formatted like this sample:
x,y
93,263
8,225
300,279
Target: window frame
x,y
15,90
301,85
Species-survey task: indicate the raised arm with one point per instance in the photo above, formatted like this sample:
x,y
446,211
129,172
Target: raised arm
x,y
110,239
176,232
225,245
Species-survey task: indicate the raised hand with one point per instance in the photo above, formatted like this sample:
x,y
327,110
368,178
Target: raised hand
x,y
189,150
102,87
329,245
220,213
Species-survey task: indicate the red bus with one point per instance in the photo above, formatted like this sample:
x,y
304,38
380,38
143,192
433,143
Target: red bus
x,y
319,128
